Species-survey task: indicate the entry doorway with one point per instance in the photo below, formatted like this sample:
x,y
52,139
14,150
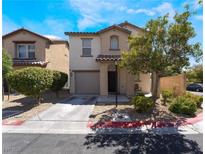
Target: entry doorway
x,y
112,81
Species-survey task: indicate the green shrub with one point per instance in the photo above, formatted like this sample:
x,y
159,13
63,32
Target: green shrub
x,y
166,94
183,105
32,81
197,99
139,93
142,103
59,80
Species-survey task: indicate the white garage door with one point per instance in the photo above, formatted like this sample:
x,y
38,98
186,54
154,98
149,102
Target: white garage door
x,y
87,83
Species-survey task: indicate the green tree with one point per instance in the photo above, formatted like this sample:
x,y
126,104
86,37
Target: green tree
x,y
6,68
163,48
195,74
6,63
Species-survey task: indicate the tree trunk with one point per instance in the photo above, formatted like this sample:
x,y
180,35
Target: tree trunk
x,y
155,85
165,101
9,92
57,94
2,89
9,89
39,100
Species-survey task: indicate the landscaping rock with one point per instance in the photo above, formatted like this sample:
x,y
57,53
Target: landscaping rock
x,y
121,117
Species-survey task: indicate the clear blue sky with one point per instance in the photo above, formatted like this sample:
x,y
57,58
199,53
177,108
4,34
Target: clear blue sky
x,y
54,17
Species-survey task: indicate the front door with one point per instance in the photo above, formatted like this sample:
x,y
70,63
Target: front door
x,y
111,81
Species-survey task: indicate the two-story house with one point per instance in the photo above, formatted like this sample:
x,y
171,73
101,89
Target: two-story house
x,y
31,49
93,60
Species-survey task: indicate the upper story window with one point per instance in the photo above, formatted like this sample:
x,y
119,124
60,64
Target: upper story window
x,y
25,51
114,42
86,47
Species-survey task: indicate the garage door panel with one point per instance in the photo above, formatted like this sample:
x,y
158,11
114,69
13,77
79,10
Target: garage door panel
x,y
87,82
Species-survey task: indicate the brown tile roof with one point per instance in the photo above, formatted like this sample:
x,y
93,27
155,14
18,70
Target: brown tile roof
x,y
108,58
119,27
100,31
27,62
80,33
132,25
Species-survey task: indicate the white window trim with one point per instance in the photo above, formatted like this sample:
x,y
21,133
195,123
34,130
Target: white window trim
x,y
117,39
27,50
84,47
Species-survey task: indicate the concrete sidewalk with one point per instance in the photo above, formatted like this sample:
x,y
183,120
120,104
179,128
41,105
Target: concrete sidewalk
x,y
71,127
80,128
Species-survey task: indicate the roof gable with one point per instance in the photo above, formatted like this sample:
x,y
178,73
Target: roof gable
x,y
131,25
25,30
119,27
114,27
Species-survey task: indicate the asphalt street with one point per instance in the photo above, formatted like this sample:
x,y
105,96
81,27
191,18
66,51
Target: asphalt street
x,y
102,143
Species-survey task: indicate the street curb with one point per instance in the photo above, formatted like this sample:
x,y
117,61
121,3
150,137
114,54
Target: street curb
x,y
153,124
196,119
13,122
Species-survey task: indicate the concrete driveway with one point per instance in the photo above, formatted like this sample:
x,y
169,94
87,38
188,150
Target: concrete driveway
x,y
74,109
69,116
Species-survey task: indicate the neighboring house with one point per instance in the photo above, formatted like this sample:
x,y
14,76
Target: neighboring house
x,y
31,49
92,62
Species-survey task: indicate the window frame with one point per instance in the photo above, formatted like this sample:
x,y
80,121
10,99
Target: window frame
x,y
117,42
86,47
31,51
27,50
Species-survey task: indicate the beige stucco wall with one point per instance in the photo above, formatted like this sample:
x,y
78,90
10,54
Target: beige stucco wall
x,y
104,79
40,44
77,62
20,67
57,56
130,84
145,82
126,81
101,45
122,78
105,41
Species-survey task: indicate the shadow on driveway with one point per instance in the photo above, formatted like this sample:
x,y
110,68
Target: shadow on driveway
x,y
79,100
149,143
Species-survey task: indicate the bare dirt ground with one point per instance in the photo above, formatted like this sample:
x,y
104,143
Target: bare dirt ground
x,y
22,108
103,112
